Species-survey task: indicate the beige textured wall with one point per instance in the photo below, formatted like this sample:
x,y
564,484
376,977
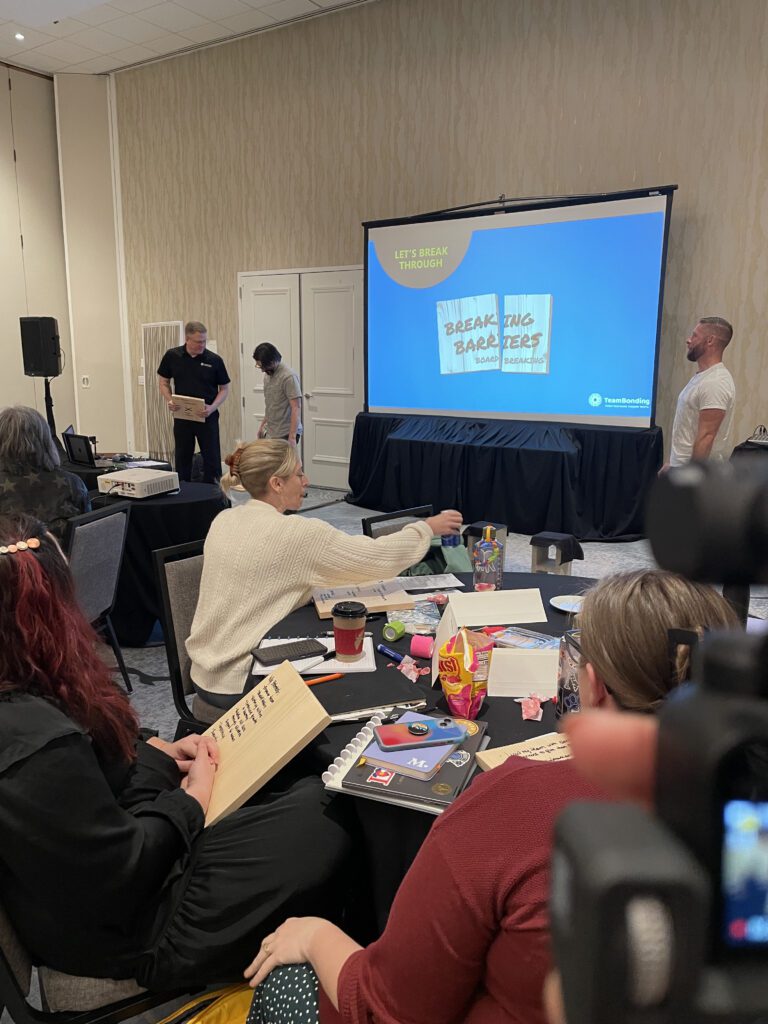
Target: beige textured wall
x,y
32,278
269,151
82,111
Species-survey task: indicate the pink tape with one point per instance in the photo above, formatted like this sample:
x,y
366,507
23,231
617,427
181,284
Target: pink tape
x,y
422,646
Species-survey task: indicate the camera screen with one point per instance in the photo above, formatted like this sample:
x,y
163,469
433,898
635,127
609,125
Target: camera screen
x,y
745,873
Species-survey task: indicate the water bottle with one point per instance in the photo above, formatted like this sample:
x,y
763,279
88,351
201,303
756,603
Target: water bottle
x,y
488,561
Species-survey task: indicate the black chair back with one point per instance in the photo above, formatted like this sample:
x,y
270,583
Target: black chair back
x,y
94,543
391,522
179,570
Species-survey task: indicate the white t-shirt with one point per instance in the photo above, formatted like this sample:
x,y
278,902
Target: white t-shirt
x,y
708,389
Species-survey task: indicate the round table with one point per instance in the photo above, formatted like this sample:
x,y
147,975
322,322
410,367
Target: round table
x,y
392,835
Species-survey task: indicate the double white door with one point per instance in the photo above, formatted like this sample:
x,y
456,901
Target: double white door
x,y
315,320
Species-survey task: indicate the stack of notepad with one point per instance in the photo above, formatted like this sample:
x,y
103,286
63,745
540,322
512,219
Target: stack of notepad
x,y
422,778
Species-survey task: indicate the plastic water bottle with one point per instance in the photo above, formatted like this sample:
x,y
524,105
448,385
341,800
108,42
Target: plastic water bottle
x,y
488,561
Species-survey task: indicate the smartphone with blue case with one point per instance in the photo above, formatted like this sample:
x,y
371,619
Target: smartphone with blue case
x,y
425,732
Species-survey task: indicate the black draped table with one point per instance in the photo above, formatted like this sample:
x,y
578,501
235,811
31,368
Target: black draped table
x,y
393,835
154,523
587,481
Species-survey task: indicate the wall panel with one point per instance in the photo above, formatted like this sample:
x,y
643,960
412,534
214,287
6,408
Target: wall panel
x,y
269,151
34,123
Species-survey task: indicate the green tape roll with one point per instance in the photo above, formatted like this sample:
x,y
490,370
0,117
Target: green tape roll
x,y
393,631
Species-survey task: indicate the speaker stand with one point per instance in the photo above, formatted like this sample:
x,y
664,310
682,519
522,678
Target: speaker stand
x,y
52,421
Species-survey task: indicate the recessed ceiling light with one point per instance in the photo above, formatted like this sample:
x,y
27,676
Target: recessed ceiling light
x,y
19,36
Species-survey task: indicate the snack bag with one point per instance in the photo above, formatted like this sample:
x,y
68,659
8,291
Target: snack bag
x,y
463,664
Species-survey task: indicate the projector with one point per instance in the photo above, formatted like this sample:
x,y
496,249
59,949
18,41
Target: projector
x,y
138,483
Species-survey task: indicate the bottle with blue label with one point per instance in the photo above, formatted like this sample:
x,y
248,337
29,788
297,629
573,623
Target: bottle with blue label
x,y
488,561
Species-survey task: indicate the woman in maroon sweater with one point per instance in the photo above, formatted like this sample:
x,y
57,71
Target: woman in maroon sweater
x,y
467,938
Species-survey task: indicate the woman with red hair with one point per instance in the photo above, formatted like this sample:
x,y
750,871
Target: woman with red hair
x,y
105,869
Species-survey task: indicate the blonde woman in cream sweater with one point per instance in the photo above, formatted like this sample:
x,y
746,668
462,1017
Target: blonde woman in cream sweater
x,y
259,564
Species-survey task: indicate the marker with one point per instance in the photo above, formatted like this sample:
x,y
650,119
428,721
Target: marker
x,y
383,649
324,679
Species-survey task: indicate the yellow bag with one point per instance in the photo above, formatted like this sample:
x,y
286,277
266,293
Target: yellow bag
x,y
228,1005
463,663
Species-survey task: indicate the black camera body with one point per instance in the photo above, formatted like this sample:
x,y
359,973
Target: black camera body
x,y
664,920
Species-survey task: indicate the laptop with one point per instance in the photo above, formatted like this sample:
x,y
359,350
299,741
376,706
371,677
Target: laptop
x,y
80,452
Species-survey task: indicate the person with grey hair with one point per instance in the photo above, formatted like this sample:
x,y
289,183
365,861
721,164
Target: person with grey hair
x,y
31,478
196,373
702,425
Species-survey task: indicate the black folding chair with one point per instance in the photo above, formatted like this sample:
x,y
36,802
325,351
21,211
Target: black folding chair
x,y
94,543
66,999
391,522
179,569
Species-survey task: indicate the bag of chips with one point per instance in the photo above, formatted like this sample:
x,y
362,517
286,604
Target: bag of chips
x,y
463,664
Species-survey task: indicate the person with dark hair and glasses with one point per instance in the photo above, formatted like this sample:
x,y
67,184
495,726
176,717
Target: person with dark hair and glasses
x,y
467,937
282,395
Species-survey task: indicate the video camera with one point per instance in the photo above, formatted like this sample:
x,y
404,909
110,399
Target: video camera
x,y
665,920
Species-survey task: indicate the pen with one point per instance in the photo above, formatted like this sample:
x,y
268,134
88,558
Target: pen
x,y
383,649
324,679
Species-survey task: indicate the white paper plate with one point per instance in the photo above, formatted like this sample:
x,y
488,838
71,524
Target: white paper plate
x,y
567,602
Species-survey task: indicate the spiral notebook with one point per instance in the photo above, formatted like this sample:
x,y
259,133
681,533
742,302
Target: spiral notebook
x,y
350,773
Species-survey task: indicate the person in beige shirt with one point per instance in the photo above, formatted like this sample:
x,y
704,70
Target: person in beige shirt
x,y
282,395
259,564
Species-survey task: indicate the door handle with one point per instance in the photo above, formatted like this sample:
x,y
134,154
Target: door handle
x,y
306,395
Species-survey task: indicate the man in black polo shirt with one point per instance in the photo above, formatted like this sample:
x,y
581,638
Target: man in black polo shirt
x,y
196,373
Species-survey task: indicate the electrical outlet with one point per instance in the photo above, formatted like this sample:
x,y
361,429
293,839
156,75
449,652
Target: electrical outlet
x,y
141,380
85,381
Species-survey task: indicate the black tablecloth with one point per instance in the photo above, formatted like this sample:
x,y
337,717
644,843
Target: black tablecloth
x,y
156,523
392,834
587,481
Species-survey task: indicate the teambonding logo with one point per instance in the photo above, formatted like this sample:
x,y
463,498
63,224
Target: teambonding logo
x,y
595,399
473,336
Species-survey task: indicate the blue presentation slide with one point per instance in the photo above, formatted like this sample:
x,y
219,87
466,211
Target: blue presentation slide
x,y
554,320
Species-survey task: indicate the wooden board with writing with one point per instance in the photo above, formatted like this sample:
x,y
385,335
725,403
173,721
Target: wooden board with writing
x,y
189,408
384,596
550,747
259,735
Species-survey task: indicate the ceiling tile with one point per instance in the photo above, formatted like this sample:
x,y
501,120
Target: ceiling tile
x,y
98,40
39,62
207,33
167,43
172,17
136,30
65,27
95,66
67,51
32,38
132,55
98,15
248,21
133,6
285,9
216,10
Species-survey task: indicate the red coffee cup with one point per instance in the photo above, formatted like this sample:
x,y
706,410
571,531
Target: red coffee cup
x,y
349,629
